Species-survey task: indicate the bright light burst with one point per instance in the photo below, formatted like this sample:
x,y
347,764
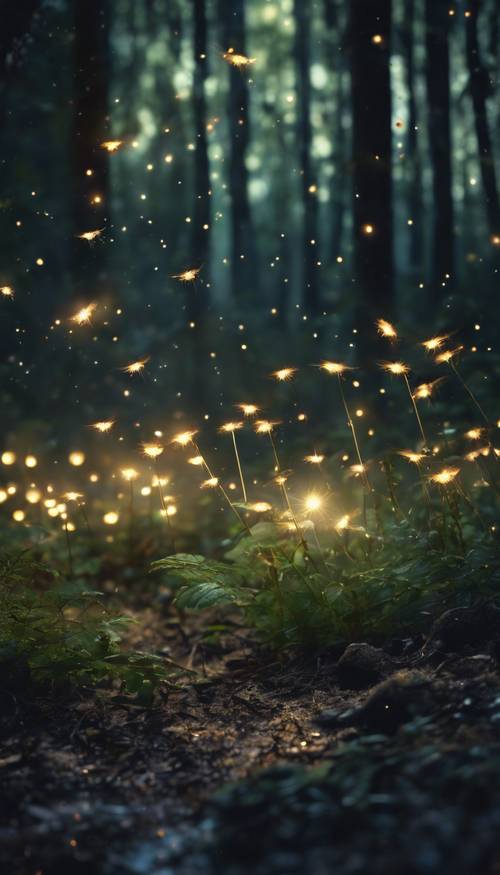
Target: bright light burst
x,y
313,502
284,374
435,342
410,456
135,367
7,291
183,438
90,235
474,434
83,316
72,496
129,474
334,367
187,276
103,426
248,409
314,459
152,451
426,390
448,355
112,145
229,427
385,329
237,60
445,476
196,461
261,506
397,368
265,426
211,483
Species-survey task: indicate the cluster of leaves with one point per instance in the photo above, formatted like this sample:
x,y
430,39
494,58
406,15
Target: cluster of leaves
x,y
59,631
295,594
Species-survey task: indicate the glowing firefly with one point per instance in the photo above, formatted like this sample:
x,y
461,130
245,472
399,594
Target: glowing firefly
x,y
103,425
135,367
448,355
314,459
445,476
410,456
90,235
237,60
284,374
187,276
152,451
385,329
474,434
7,291
111,145
184,438
84,315
425,390
435,342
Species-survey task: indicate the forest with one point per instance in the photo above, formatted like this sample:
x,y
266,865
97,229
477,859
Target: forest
x,y
249,559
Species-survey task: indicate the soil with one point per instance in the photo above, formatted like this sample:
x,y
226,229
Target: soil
x,y
398,772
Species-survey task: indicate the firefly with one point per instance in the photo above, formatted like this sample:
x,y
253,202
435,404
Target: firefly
x,y
111,145
314,459
111,518
76,458
7,291
237,60
90,235
135,367
385,329
187,276
284,374
103,425
211,483
196,460
8,458
435,342
261,506
425,390
474,434
84,315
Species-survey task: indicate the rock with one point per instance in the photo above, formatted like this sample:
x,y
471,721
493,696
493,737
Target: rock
x,y
397,700
459,628
362,665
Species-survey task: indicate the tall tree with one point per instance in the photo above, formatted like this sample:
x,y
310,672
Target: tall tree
x,y
310,241
437,68
90,129
370,45
412,146
480,85
198,299
243,263
335,30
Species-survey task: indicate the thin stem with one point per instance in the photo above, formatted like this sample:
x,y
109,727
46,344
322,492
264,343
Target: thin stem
x,y
284,490
163,506
221,488
350,423
417,414
468,390
240,470
68,545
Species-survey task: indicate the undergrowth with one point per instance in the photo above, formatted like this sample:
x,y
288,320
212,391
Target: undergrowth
x,y
58,632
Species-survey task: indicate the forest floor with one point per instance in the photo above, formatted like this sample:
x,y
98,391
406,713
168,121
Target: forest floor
x,y
383,761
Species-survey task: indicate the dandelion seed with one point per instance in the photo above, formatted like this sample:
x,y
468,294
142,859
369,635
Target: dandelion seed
x,y
334,367
84,315
261,506
314,459
397,368
129,474
135,367
152,451
435,342
103,425
187,276
284,374
448,355
196,460
112,145
265,426
211,483
184,438
7,291
90,235
474,434
72,496
410,456
445,476
426,390
229,427
248,409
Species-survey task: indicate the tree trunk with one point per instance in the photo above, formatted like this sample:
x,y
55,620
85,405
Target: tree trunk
x,y
338,193
198,297
438,102
370,36
480,87
310,243
412,148
243,262
90,129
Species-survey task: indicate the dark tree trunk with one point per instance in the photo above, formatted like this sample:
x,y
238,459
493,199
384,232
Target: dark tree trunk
x,y
371,164
438,106
90,129
335,30
310,243
198,297
412,148
243,262
480,88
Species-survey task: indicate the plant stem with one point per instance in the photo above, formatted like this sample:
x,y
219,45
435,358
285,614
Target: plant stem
x,y
221,488
240,470
415,408
468,390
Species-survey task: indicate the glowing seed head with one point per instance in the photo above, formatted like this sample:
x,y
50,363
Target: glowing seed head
x,y
397,368
135,367
84,315
196,460
265,426
410,456
314,459
103,425
445,476
357,470
284,374
18,516
187,276
425,390
184,438
472,456
152,451
343,523
72,496
248,409
7,291
435,342
385,329
334,367
448,355
231,426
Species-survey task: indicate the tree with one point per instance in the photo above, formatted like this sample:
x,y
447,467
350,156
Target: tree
x,y
369,37
310,246
198,299
415,207
243,262
90,200
335,30
480,86
437,68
